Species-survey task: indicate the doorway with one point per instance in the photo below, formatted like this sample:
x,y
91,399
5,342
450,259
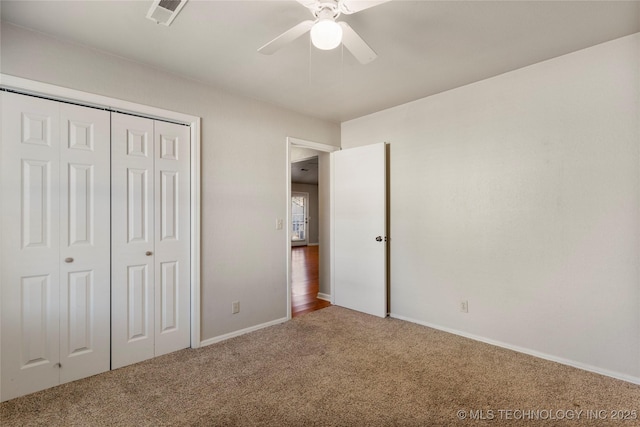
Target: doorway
x,y
299,218
317,250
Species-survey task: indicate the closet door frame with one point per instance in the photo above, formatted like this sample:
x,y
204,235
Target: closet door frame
x,y
85,98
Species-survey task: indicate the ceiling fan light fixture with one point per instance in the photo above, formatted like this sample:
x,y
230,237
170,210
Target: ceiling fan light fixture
x,y
326,34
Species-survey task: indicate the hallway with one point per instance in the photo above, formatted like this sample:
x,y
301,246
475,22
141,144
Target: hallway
x,y
304,280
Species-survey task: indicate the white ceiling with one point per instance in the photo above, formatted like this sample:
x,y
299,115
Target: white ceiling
x,y
424,47
305,171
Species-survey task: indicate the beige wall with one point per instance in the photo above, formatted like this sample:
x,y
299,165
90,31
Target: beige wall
x,y
521,194
243,167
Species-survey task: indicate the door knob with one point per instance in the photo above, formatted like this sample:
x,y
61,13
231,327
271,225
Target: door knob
x,y
68,260
379,239
148,253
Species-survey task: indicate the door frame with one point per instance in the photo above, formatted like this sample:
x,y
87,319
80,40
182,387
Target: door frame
x,y
59,93
324,148
306,218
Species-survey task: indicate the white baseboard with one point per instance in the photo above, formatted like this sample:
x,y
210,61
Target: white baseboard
x,y
219,338
325,297
313,244
563,361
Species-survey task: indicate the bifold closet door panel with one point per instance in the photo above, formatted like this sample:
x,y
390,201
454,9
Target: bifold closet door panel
x,y
150,238
30,244
172,231
132,240
55,246
85,284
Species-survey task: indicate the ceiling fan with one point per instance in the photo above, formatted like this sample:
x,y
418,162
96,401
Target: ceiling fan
x,y
326,32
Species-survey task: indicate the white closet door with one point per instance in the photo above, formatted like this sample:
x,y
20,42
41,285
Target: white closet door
x,y
55,247
30,245
172,238
132,240
150,238
85,241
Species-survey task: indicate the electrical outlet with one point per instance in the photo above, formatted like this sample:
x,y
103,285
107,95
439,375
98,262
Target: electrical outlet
x,y
235,307
464,306
279,224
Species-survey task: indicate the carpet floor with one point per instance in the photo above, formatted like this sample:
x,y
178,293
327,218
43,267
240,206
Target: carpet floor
x,y
336,367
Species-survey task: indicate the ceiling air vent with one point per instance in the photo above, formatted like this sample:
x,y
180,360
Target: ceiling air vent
x,y
165,11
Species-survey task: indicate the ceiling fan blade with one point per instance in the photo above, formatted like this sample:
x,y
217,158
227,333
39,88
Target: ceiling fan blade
x,y
286,38
354,43
352,6
309,4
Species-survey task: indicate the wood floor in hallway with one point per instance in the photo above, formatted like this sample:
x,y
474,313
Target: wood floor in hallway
x,y
305,280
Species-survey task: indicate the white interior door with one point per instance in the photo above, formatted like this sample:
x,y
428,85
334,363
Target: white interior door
x,y
30,245
85,235
359,229
172,237
132,240
55,246
299,218
150,238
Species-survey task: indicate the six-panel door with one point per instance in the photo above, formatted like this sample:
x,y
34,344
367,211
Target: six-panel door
x,y
150,238
60,197
55,248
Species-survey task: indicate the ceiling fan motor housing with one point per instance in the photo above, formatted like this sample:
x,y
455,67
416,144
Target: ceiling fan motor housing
x,y
326,32
327,10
